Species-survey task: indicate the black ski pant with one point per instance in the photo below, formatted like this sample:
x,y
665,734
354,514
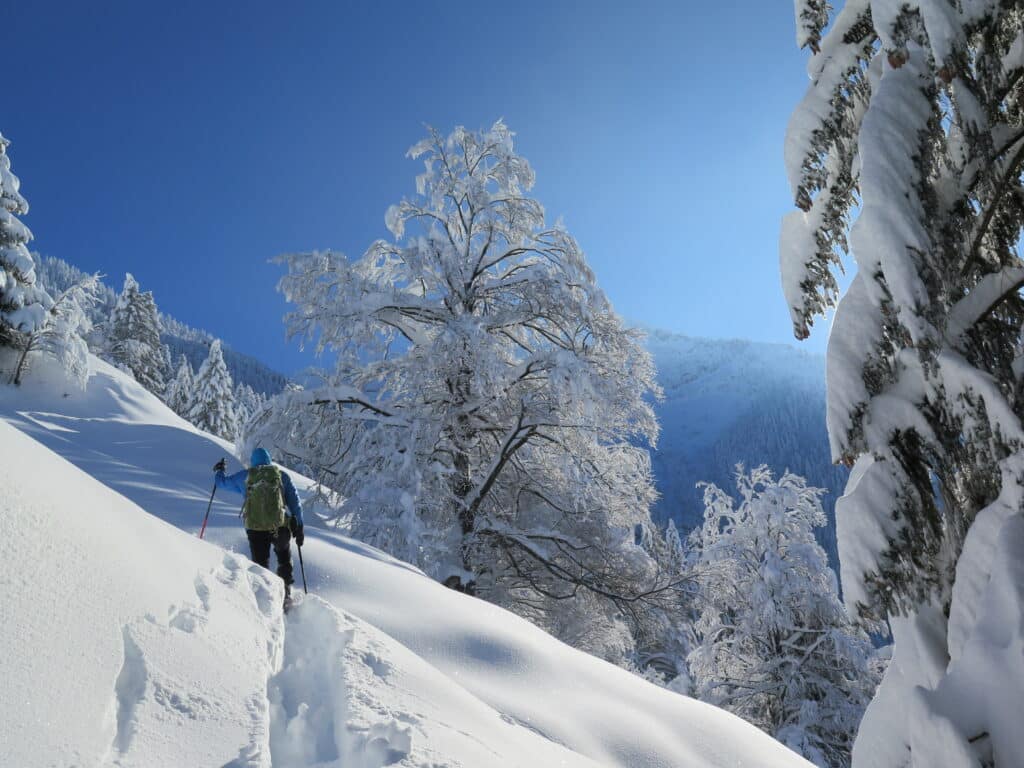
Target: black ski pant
x,y
281,539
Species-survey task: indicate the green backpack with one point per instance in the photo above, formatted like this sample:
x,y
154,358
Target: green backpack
x,y
264,499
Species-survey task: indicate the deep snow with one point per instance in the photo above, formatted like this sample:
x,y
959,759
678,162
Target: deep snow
x,y
127,642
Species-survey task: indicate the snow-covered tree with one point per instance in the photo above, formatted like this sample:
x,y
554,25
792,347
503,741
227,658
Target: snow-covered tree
x,y
133,336
247,402
179,392
908,148
55,276
482,414
62,332
675,550
774,644
213,401
23,303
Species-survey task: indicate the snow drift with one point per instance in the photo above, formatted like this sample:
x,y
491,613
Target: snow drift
x,y
135,644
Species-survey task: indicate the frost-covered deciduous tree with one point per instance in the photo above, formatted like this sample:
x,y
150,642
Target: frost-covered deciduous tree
x,y
133,336
774,644
908,150
23,303
213,400
62,332
179,392
482,414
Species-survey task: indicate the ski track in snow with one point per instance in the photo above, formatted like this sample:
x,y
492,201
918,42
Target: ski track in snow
x,y
150,690
310,710
306,713
129,690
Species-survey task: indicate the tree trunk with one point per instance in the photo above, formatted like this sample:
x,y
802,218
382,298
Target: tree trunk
x,y
462,483
19,369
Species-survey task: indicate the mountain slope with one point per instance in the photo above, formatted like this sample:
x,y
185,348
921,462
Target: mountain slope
x,y
122,636
57,275
379,666
733,401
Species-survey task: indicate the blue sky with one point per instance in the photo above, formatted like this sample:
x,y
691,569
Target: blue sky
x,y
189,142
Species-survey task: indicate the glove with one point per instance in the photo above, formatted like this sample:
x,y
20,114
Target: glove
x,y
220,466
297,533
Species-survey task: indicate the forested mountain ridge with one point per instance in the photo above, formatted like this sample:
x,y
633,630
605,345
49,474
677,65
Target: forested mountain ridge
x,y
181,339
727,401
730,401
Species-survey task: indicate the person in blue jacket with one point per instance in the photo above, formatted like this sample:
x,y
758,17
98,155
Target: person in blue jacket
x,y
269,493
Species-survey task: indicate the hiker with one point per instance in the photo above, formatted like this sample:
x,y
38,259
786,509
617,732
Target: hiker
x,y
268,491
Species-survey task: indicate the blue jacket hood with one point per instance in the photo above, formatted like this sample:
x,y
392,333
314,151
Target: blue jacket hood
x,y
260,457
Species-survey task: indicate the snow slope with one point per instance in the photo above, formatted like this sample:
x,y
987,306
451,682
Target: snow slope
x,y
136,644
124,642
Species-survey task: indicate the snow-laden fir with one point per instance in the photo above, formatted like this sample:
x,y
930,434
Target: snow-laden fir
x,y
212,406
908,151
132,336
23,303
138,645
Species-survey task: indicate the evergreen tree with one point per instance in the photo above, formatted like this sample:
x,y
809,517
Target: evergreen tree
x,y
213,402
913,129
247,402
483,412
23,303
774,644
133,336
180,389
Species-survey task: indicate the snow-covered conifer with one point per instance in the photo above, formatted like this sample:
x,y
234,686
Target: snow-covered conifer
x,y
247,402
179,392
133,336
913,130
482,414
774,644
213,401
62,333
23,303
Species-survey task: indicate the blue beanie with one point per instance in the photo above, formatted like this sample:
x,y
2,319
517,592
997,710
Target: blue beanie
x,y
260,457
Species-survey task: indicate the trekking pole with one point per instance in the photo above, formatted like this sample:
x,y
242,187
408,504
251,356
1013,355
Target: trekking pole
x,y
302,567
207,517
218,466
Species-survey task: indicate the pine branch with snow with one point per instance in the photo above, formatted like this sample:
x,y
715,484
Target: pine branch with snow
x,y
913,130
